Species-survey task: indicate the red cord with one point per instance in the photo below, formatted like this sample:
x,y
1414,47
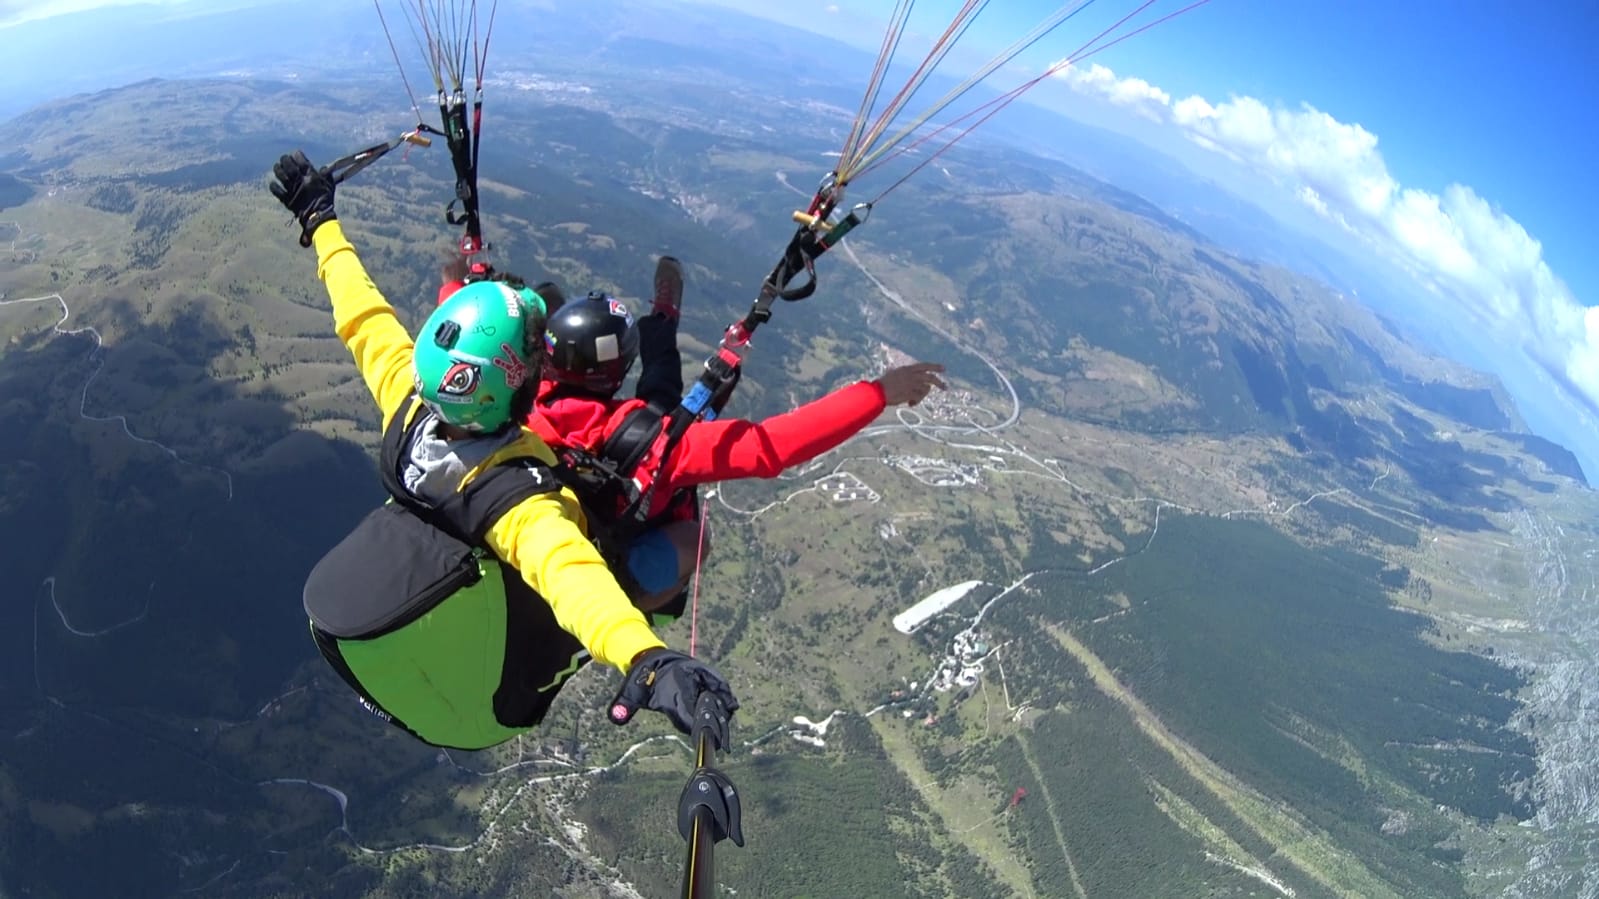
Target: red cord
x,y
694,606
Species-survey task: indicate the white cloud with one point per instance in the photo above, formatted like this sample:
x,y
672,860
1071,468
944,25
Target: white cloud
x,y
1309,197
1134,93
1457,242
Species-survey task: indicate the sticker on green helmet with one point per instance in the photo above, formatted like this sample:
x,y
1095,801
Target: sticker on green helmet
x,y
459,383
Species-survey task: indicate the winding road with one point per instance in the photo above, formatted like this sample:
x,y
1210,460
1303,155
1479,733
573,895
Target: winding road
x,y
98,356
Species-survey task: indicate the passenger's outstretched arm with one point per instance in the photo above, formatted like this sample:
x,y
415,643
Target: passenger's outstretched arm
x,y
725,450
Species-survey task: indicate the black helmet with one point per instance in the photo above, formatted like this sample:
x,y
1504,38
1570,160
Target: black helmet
x,y
592,343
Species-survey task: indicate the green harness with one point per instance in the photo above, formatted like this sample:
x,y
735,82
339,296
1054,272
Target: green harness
x,y
435,634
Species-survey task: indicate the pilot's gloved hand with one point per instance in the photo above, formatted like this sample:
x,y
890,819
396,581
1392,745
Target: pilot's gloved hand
x,y
306,192
671,683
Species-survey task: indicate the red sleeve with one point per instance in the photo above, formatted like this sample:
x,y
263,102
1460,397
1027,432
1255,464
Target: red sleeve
x,y
447,288
713,451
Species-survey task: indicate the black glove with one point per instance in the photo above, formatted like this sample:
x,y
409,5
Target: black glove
x,y
305,191
670,682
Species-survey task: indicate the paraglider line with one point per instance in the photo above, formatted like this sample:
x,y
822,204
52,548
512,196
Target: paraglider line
x,y
875,83
866,161
941,48
415,106
996,104
694,605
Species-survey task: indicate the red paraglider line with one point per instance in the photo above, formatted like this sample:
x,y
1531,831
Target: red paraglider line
x,y
1005,99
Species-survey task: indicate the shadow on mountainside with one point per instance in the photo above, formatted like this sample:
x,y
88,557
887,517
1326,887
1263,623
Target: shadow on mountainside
x,y
154,605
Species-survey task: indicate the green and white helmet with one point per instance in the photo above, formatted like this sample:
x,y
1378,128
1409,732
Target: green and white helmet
x,y
477,352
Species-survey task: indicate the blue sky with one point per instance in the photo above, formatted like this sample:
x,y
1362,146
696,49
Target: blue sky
x,y
1496,94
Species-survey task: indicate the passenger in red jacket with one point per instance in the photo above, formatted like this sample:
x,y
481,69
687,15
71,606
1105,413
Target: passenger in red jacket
x,y
593,343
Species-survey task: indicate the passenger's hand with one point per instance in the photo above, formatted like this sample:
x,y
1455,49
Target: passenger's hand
x,y
305,191
669,682
910,384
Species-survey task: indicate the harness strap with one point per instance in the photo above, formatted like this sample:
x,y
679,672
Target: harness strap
x,y
468,514
632,439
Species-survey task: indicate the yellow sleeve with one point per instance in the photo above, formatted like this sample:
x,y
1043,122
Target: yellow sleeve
x,y
540,538
364,320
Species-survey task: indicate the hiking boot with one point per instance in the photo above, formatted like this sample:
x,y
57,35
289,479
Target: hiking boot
x,y
668,288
